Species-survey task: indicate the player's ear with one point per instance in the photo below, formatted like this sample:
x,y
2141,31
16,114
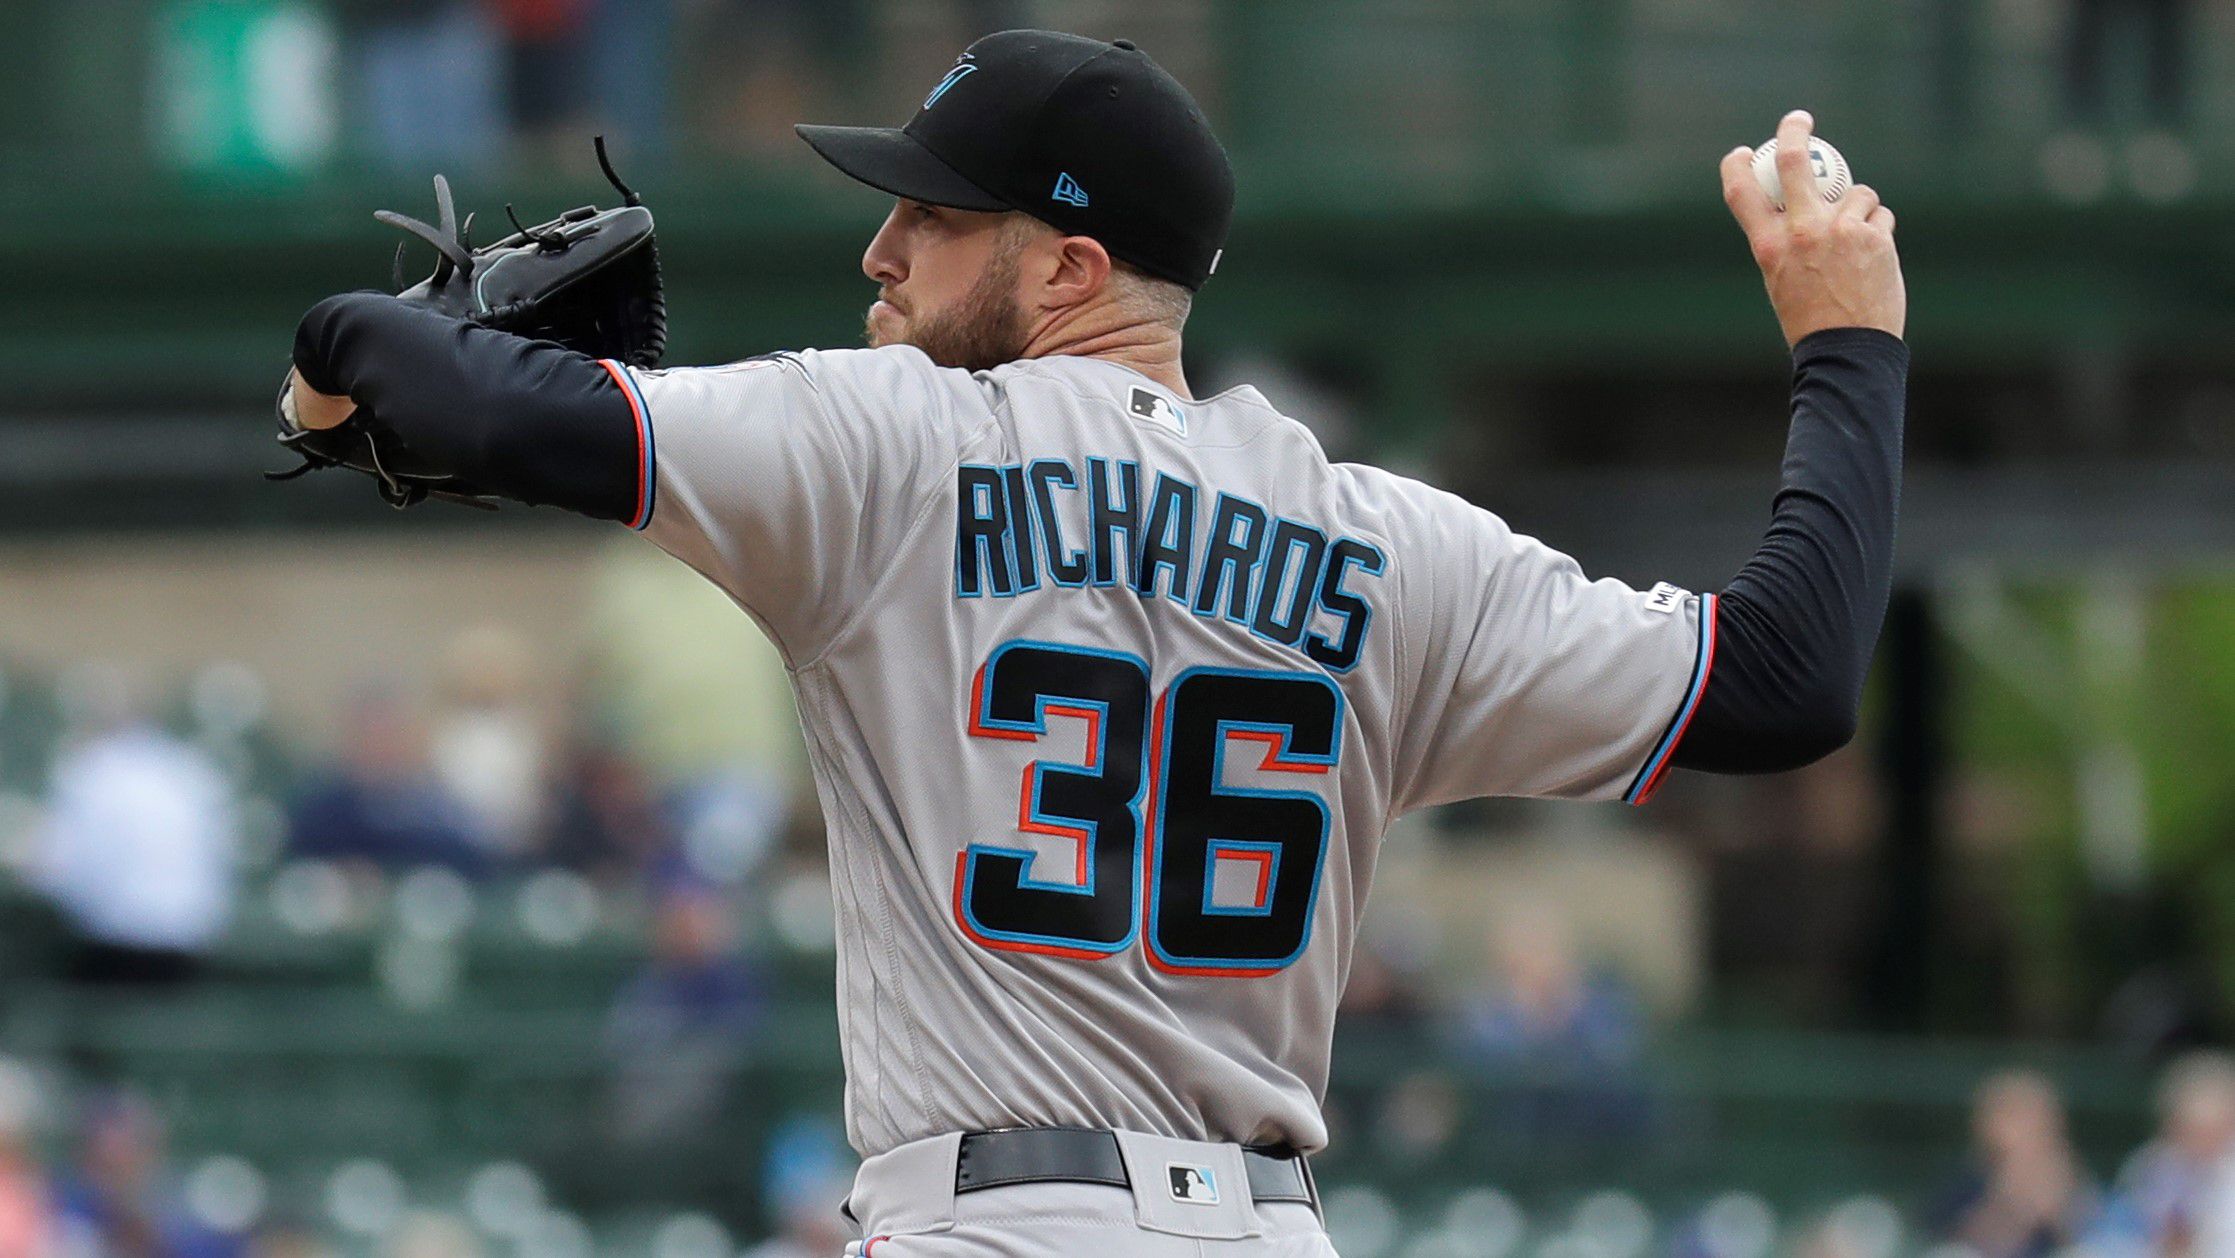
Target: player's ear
x,y
1080,270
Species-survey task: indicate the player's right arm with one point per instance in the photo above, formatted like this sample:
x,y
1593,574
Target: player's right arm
x,y
1797,625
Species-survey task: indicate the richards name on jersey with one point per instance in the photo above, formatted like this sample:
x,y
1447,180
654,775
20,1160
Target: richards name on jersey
x,y
1284,580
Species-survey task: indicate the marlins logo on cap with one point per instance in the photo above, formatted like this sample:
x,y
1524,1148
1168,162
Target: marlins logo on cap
x,y
963,69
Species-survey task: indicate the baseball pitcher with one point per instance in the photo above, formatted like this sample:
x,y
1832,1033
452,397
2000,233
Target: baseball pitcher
x,y
1112,689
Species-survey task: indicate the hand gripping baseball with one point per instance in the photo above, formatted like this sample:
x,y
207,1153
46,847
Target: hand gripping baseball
x,y
1826,266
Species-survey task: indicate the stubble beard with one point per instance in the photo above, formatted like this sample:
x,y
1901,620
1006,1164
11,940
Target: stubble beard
x,y
979,331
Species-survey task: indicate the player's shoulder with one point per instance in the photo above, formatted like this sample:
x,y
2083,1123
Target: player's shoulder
x,y
890,387
887,364
1431,532
815,368
896,382
1393,494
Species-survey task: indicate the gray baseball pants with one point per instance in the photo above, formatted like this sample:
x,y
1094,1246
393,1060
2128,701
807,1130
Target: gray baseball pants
x,y
906,1202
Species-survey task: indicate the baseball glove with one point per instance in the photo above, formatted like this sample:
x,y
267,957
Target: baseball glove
x,y
588,280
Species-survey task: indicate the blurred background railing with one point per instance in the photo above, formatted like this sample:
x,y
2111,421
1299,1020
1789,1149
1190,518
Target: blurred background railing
x,y
1458,215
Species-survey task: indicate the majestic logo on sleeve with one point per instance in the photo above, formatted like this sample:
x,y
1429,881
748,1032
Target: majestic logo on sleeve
x,y
1192,1184
1217,555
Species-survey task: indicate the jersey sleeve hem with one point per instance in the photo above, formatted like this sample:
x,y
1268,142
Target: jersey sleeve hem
x,y
646,464
1656,766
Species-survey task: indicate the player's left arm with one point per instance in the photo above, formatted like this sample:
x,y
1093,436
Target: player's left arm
x,y
527,419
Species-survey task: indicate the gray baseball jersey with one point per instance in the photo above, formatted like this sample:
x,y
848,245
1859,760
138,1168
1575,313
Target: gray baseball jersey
x,y
1110,696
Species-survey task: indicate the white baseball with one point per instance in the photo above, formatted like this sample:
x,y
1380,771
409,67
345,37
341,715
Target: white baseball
x,y
1833,179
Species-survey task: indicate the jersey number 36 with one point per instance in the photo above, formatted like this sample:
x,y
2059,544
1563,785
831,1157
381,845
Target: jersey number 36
x,y
1221,880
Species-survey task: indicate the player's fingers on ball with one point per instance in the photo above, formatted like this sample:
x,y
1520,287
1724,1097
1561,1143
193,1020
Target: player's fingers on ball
x,y
1795,177
1882,217
1743,193
1859,202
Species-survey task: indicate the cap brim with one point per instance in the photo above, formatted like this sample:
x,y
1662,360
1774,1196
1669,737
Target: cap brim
x,y
890,160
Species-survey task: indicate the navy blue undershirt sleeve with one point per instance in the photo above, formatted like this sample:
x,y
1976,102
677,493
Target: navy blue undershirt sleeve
x,y
529,420
1795,628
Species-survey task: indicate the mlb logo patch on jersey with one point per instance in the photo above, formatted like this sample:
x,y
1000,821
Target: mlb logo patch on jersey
x,y
1194,1185
1159,410
1664,598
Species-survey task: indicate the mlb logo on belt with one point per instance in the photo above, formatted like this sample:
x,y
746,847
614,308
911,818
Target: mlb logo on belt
x,y
1192,1184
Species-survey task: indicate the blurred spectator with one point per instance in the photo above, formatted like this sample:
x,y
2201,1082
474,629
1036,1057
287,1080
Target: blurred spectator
x,y
635,72
383,806
1382,995
1416,1123
708,710
289,1238
1543,1009
804,1179
675,1028
428,80
606,822
2026,1196
117,1202
430,1235
139,846
488,745
1562,1045
1864,1227
25,1228
775,62
549,55
2176,1195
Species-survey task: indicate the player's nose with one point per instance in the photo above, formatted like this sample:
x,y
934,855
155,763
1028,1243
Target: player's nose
x,y
881,261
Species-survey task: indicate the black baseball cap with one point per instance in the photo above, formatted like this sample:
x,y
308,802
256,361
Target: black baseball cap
x,y
1093,139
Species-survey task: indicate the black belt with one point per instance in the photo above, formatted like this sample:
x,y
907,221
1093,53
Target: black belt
x,y
1077,1155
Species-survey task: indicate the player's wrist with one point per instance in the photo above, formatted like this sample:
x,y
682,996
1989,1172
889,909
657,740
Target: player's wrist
x,y
308,409
1850,338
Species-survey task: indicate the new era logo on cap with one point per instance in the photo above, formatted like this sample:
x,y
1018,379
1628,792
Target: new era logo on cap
x,y
1068,191
1192,1184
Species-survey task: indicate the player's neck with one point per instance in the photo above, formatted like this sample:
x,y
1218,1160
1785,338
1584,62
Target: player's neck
x,y
1152,349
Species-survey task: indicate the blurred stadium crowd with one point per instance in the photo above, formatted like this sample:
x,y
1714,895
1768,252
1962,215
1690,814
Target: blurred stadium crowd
x,y
465,84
